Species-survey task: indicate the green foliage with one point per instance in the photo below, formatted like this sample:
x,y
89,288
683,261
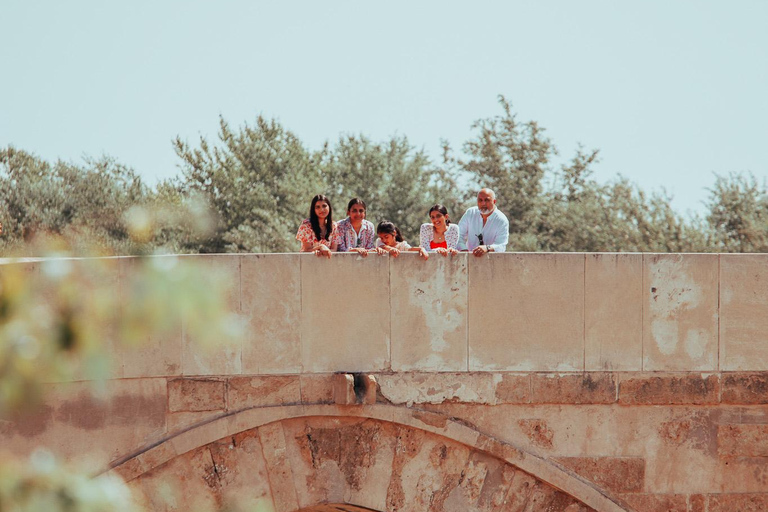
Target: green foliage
x,y
249,190
575,213
739,214
90,201
53,315
512,159
258,181
45,485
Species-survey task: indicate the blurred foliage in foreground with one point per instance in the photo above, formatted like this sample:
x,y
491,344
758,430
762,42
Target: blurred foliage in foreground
x,y
42,484
65,318
258,179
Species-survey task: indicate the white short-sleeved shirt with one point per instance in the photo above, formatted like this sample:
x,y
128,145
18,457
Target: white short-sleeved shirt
x,y
495,232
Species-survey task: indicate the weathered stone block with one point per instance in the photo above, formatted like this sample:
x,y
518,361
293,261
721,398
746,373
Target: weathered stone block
x,y
614,474
519,491
191,395
271,307
220,357
613,312
745,388
78,424
743,312
680,316
263,390
513,388
657,502
669,389
435,388
316,388
422,479
341,460
241,472
197,488
370,388
429,313
180,421
159,354
97,283
538,432
742,440
743,474
344,389
278,467
345,322
738,502
697,503
129,470
508,291
583,388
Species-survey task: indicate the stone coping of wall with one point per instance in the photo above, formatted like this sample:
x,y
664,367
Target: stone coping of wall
x,y
511,312
197,394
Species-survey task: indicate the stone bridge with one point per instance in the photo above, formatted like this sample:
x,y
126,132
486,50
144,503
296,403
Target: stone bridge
x,y
513,382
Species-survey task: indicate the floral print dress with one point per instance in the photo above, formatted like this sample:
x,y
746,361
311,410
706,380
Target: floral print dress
x,y
305,234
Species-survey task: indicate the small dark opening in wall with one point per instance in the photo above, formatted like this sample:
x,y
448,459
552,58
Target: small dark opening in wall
x,y
360,386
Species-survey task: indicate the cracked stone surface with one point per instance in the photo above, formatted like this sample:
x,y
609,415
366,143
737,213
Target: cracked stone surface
x,y
345,465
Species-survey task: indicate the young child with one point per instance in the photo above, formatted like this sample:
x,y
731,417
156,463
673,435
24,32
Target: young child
x,y
391,241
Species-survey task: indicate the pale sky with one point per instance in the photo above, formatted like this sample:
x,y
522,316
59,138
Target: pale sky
x,y
669,91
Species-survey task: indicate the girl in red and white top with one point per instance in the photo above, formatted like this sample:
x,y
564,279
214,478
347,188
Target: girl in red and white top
x,y
318,233
440,235
391,242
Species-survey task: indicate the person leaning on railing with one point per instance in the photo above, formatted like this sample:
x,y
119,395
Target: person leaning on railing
x,y
483,228
318,233
440,235
391,242
355,233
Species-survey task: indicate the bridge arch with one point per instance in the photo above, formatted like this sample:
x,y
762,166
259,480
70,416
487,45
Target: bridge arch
x,y
379,457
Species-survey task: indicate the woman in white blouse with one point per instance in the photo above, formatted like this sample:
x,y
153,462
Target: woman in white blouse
x,y
440,235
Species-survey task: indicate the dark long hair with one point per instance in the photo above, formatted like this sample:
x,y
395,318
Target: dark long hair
x,y
389,228
442,209
353,202
315,222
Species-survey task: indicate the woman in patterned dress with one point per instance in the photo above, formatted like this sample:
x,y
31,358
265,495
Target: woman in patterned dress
x,y
318,233
355,233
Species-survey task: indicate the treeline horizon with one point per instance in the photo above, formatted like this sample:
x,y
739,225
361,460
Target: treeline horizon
x,y
248,191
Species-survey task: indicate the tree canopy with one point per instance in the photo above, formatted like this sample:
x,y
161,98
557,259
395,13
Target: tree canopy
x,y
256,182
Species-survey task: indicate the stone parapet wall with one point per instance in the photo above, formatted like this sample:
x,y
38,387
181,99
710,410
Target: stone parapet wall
x,y
502,313
642,377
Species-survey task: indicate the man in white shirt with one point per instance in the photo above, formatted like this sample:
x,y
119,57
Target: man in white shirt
x,y
483,228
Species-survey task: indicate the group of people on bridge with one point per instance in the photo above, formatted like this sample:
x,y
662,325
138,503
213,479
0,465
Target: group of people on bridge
x,y
482,229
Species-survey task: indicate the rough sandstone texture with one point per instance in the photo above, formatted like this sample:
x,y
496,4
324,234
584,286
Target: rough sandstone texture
x,y
296,464
644,375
